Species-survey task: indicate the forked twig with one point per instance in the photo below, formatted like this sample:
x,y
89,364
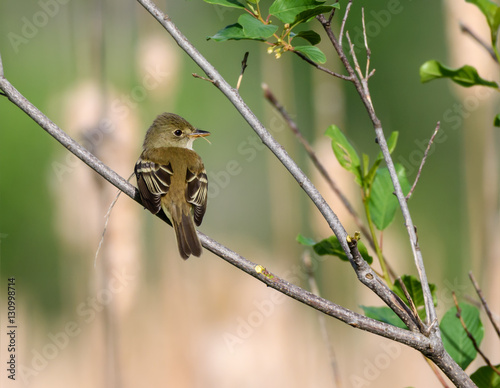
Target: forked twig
x,y
431,140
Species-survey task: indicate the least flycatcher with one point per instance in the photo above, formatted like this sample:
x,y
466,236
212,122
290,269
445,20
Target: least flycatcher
x,y
171,177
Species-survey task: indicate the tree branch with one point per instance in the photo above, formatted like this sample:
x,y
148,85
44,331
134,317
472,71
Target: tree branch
x,y
417,254
412,339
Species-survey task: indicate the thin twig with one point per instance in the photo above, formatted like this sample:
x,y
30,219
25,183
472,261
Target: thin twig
x,y
243,67
306,259
106,217
420,324
437,373
481,42
471,337
344,20
431,140
319,67
332,14
203,78
483,302
312,155
368,51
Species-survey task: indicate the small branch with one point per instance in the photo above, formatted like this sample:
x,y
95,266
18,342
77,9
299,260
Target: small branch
x,y
344,20
203,78
319,67
379,133
481,42
306,259
471,337
368,51
431,140
243,67
414,310
483,302
312,155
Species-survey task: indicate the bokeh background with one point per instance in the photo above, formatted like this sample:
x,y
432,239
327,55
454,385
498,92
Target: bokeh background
x,y
102,71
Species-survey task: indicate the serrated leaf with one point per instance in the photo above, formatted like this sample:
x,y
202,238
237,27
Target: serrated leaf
x,y
485,377
496,120
226,3
254,29
312,52
466,76
231,32
384,314
414,288
287,10
311,36
344,152
455,339
331,246
307,241
383,203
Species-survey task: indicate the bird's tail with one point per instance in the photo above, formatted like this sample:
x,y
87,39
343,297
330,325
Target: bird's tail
x,y
187,238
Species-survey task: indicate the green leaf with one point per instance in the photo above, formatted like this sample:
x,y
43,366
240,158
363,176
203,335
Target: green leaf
x,y
307,241
231,32
496,121
311,36
254,29
344,151
331,246
455,339
226,3
288,10
491,11
384,314
485,377
414,288
306,15
312,52
383,203
466,76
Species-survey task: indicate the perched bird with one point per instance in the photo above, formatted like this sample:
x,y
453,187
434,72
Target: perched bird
x,y
171,177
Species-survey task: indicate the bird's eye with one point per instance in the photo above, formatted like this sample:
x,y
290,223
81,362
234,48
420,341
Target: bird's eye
x,y
178,132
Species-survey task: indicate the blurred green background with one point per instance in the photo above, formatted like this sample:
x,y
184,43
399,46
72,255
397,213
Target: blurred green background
x,y
82,62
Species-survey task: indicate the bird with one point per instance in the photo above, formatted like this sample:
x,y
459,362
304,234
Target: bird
x,y
171,177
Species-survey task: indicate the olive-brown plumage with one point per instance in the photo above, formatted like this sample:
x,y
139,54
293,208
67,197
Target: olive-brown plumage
x,y
171,177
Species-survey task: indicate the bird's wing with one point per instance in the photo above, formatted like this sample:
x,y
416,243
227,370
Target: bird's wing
x,y
153,180
196,193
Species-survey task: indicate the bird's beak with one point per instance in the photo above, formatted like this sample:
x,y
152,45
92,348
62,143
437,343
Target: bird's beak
x,y
199,133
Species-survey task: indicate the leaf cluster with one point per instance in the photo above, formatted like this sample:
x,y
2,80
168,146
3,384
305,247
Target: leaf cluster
x,y
278,28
